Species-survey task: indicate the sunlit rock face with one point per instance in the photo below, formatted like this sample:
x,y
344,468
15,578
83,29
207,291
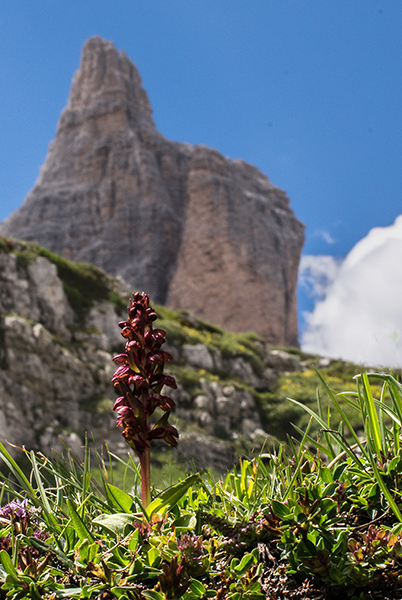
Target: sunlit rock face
x,y
192,228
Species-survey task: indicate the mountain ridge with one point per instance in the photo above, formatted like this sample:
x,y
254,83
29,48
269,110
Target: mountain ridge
x,y
196,230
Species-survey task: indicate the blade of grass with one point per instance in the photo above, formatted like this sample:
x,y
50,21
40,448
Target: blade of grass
x,y
331,452
346,397
292,445
383,429
385,490
244,465
396,400
341,429
373,422
110,464
18,474
59,492
397,432
314,442
299,457
339,440
86,475
234,501
343,416
268,479
45,501
64,476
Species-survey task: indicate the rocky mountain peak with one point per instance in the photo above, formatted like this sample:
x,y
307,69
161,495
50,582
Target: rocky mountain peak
x,y
107,79
194,229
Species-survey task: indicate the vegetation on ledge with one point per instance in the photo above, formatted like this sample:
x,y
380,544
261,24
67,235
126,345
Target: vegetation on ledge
x,y
84,284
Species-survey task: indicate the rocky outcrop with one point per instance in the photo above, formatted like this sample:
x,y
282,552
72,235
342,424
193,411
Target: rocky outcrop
x,y
51,367
56,364
194,229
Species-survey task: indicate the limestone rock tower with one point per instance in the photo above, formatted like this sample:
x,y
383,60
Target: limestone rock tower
x,y
192,228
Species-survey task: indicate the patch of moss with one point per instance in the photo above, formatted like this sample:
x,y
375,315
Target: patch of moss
x,y
183,331
84,284
165,313
92,330
187,319
120,302
189,378
175,331
184,328
299,354
25,258
6,245
241,344
345,371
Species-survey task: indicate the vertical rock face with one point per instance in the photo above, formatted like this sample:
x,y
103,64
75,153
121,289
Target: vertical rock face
x,y
194,229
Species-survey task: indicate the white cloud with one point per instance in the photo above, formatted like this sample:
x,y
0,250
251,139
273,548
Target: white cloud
x,y
358,313
324,235
317,273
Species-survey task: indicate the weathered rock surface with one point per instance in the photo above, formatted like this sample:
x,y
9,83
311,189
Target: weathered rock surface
x,y
50,369
56,366
194,229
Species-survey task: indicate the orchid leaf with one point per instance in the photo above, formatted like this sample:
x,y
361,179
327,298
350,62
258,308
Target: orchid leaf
x,y
78,524
115,523
119,498
172,495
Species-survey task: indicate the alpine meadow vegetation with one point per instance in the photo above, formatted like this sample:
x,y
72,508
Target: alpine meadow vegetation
x,y
319,517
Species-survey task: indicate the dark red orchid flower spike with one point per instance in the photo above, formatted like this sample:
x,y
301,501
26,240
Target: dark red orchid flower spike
x,y
140,379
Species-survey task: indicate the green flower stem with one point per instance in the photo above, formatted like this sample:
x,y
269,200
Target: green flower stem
x,y
145,463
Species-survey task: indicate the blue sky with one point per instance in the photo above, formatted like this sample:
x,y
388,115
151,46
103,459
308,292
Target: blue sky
x,y
310,91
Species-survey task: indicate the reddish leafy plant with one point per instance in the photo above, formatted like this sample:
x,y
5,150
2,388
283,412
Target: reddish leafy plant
x,y
140,379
